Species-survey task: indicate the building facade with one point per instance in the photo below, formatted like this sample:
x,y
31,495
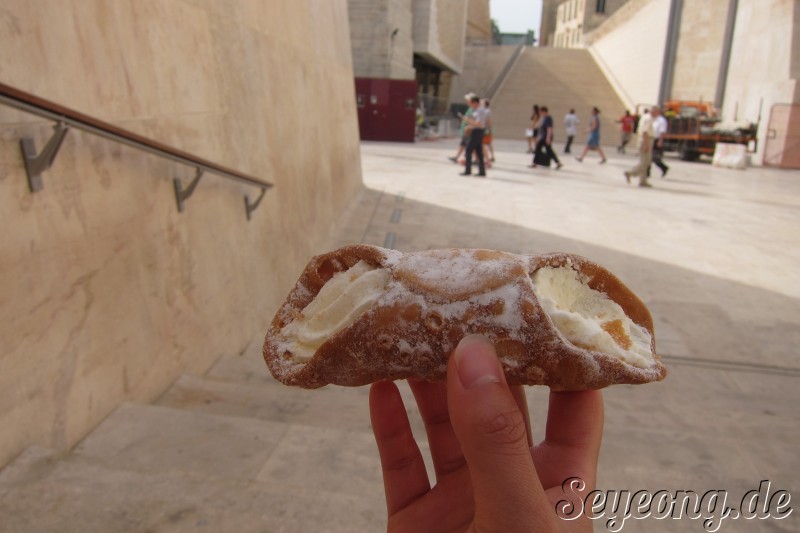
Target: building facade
x,y
742,56
574,18
420,40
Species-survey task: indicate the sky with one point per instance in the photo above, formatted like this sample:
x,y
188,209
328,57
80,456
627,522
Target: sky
x,y
517,16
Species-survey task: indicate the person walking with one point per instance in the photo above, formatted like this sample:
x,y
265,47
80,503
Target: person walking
x,y
545,144
463,129
660,127
488,147
626,130
571,122
533,132
475,144
646,135
593,142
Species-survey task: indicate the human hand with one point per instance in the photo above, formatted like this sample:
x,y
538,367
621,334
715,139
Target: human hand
x,y
488,477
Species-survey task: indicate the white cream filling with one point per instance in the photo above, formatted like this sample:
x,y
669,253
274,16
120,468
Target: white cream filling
x,y
587,318
345,297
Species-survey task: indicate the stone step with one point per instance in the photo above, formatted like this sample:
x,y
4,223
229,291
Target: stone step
x,y
560,79
267,399
162,440
41,492
241,385
272,401
248,367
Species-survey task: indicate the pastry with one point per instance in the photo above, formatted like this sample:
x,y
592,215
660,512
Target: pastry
x,y
362,314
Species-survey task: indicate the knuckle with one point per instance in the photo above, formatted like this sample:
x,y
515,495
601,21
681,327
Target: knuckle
x,y
505,428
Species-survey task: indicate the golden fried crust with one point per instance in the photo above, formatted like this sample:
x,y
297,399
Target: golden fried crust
x,y
426,310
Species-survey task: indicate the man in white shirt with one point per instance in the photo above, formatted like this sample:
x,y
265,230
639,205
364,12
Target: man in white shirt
x,y
475,144
571,122
660,127
646,136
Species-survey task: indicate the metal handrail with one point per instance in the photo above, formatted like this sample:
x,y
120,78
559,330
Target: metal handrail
x,y
498,81
65,118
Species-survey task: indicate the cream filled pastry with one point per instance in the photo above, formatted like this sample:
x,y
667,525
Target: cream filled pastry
x,y
362,314
340,301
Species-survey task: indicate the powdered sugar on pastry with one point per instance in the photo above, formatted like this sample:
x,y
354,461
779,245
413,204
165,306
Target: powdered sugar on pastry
x,y
362,314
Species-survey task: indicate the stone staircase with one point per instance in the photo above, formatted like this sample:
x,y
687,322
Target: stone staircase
x,y
560,79
233,450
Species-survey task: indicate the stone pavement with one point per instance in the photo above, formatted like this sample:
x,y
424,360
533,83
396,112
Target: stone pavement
x,y
714,254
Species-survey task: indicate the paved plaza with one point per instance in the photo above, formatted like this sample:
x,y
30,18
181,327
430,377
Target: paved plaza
x,y
715,254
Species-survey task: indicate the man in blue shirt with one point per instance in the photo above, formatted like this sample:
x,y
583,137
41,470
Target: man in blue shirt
x,y
544,146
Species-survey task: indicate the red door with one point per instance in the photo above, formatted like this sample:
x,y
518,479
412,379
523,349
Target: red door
x,y
387,109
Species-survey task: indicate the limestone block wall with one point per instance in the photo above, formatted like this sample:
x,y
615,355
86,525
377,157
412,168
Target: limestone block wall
x,y
699,52
764,63
107,293
377,53
629,48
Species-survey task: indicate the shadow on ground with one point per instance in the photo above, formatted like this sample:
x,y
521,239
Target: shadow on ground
x,y
726,414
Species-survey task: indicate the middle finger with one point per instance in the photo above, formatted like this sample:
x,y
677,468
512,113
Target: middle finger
x,y
445,448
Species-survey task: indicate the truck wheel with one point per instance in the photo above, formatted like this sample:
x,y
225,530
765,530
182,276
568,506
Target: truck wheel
x,y
687,154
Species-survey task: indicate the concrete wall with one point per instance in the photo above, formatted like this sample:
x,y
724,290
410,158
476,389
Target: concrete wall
x,y
482,64
107,293
376,53
629,48
764,63
479,21
440,31
700,42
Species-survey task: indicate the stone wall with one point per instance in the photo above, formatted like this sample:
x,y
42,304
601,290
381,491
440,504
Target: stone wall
x,y
764,63
700,42
377,53
108,293
479,22
629,48
401,47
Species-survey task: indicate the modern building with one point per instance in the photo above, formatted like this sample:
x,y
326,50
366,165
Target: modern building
x,y
395,42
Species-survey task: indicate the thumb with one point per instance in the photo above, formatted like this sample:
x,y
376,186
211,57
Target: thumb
x,y
493,437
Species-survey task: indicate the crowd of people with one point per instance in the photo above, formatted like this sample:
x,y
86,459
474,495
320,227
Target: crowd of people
x,y
476,138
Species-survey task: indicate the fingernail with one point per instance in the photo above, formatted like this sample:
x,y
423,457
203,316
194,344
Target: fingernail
x,y
476,361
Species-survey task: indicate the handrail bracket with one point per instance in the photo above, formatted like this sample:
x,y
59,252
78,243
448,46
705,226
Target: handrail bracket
x,y
35,163
181,194
248,207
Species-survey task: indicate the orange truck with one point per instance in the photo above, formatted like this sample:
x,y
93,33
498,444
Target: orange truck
x,y
694,130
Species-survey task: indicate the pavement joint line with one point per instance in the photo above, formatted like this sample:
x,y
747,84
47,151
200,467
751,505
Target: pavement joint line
x,y
371,217
396,213
388,242
733,365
